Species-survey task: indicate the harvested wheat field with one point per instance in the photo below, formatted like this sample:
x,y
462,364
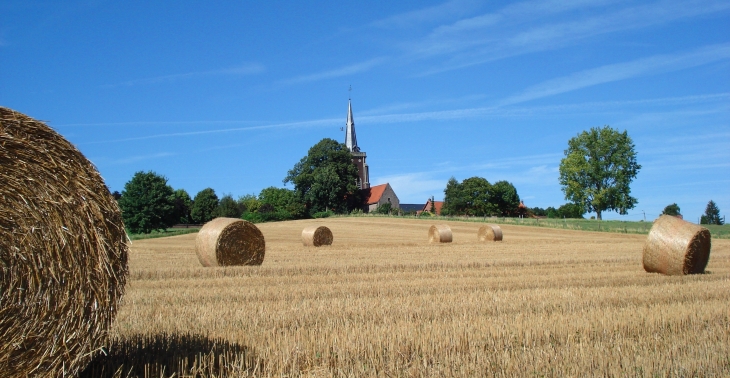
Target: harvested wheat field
x,y
383,301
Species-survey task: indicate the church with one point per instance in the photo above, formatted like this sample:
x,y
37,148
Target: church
x,y
372,196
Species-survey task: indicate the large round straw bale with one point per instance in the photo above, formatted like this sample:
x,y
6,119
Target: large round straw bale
x,y
439,233
315,236
489,232
230,241
63,253
676,247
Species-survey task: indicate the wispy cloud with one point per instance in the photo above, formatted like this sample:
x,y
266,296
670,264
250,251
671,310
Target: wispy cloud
x,y
415,117
136,158
313,123
414,187
537,26
620,71
436,13
240,70
338,72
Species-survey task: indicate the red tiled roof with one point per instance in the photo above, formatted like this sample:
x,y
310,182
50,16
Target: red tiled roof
x,y
437,205
376,192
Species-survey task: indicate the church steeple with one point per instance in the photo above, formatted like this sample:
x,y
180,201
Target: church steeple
x,y
358,157
350,137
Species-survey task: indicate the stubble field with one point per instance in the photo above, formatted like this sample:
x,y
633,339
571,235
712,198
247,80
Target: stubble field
x,y
381,301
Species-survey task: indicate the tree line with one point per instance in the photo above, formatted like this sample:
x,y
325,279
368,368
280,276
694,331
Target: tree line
x,y
324,184
595,176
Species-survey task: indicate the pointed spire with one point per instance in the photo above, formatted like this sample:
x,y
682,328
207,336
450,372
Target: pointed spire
x,y
350,137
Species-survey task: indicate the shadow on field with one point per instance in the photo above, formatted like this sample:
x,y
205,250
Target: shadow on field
x,y
166,354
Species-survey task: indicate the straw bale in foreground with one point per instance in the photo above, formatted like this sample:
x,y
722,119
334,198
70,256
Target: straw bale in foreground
x,y
63,253
489,232
439,233
317,236
676,247
230,241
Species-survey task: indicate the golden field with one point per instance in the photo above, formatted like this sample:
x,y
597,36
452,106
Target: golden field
x,y
381,301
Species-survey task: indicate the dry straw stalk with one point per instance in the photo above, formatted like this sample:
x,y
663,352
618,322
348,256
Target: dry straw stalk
x,y
230,241
676,247
63,252
489,232
439,233
315,236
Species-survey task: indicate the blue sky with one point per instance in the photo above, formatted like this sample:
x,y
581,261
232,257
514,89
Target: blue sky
x,y
232,95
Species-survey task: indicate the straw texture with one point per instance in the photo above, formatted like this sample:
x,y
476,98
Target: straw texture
x,y
230,241
489,232
676,247
315,236
63,253
439,233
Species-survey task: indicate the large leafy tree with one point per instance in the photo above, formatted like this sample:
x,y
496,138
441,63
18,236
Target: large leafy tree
x,y
326,179
228,207
597,170
470,197
504,198
571,210
712,214
283,199
454,202
476,196
204,207
182,204
147,203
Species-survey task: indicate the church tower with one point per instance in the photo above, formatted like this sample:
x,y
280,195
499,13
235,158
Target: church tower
x,y
358,157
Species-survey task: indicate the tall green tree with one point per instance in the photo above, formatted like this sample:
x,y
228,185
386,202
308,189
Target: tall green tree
x,y
228,207
470,197
672,209
504,198
597,170
454,202
182,204
326,179
146,203
204,207
712,214
284,200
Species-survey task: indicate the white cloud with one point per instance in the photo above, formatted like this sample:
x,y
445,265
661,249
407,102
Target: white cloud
x,y
134,159
620,71
415,187
430,14
338,72
534,26
240,70
678,104
320,122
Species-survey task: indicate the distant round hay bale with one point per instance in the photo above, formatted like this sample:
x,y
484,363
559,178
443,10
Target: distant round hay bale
x,y
63,253
230,241
315,236
439,233
676,247
489,232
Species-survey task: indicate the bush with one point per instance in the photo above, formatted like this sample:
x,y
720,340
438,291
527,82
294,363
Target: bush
x,y
274,216
323,214
384,208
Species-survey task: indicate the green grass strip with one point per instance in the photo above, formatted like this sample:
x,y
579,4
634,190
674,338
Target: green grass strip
x,y
164,234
